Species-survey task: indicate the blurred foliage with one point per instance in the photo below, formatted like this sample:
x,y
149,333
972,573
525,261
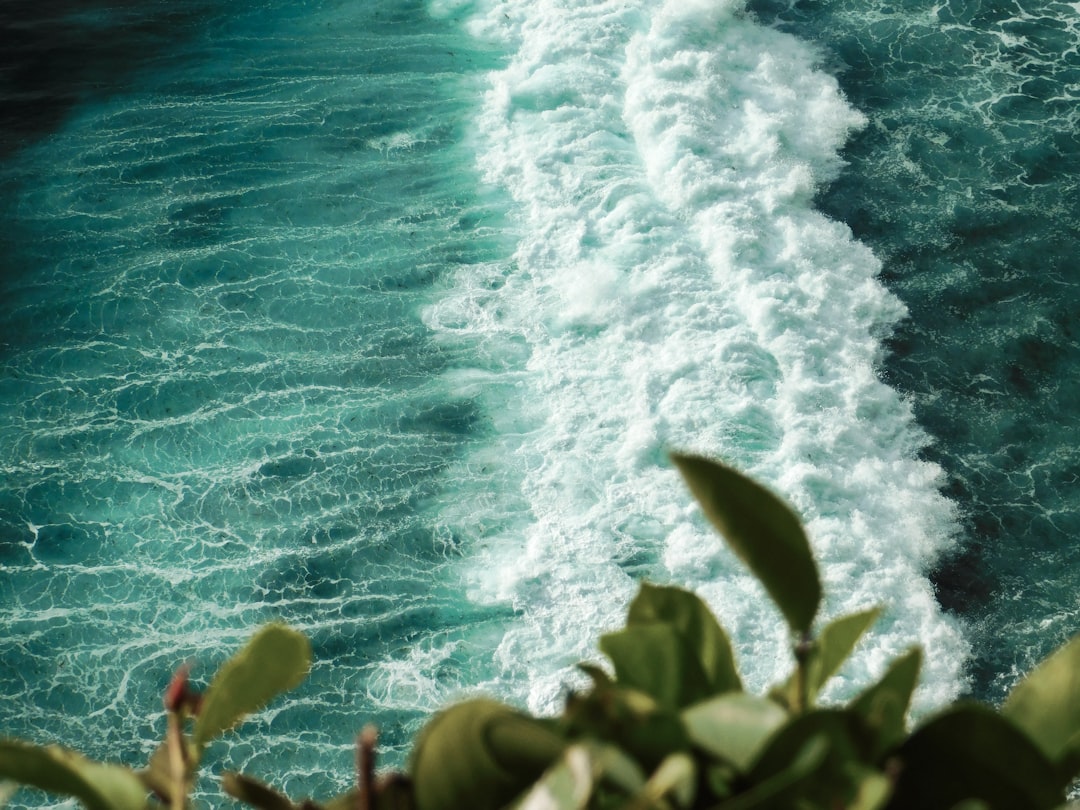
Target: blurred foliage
x,y
667,726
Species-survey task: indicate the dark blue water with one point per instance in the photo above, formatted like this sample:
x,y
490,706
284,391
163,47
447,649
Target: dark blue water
x,y
378,318
967,184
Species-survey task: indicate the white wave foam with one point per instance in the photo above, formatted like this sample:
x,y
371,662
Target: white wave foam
x,y
672,287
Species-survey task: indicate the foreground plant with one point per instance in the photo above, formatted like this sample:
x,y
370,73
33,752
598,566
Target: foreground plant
x,y
671,728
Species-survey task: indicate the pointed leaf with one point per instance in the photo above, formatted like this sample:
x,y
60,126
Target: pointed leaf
x,y
626,717
157,775
884,705
98,786
275,660
599,677
836,779
841,729
571,781
827,654
874,791
781,789
616,768
675,777
786,694
1046,704
834,645
567,786
734,727
697,625
652,658
763,531
971,752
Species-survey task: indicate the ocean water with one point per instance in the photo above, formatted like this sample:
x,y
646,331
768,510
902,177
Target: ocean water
x,y
966,184
379,318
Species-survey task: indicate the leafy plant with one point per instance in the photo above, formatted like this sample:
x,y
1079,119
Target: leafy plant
x,y
672,728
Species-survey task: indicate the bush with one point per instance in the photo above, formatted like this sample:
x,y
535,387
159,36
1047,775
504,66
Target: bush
x,y
671,728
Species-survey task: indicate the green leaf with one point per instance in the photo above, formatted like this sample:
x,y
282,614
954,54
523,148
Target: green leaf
x,y
626,717
720,779
572,780
837,776
521,744
675,777
971,752
842,729
657,661
1046,704
834,645
600,678
58,770
275,660
734,727
884,705
763,531
780,790
691,618
479,754
567,786
873,792
827,653
157,775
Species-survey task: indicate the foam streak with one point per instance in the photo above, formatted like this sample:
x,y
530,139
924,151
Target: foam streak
x,y
675,289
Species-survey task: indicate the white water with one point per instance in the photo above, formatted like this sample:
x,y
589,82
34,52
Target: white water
x,y
672,286
224,408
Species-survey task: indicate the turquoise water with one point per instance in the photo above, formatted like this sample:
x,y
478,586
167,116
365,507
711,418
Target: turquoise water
x,y
379,318
220,403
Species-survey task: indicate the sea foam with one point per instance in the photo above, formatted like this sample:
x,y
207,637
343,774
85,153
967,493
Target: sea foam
x,y
671,286
223,409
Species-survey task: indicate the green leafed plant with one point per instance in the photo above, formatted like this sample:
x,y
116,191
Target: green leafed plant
x,y
667,726
275,659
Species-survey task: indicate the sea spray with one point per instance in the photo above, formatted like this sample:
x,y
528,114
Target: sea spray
x,y
672,287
